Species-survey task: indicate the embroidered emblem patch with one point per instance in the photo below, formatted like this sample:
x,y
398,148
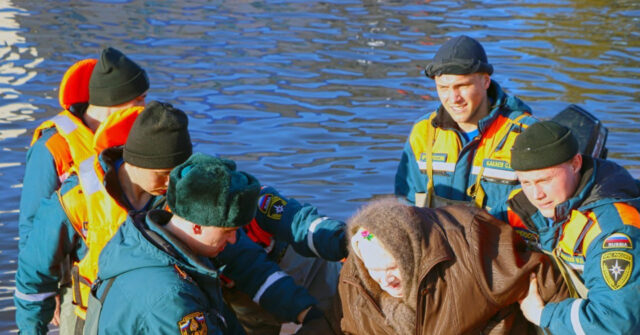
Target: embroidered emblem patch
x,y
276,208
616,268
263,203
193,324
617,241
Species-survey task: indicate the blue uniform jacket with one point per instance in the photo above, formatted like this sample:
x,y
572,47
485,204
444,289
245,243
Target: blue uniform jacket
x,y
160,287
453,185
52,239
609,273
40,181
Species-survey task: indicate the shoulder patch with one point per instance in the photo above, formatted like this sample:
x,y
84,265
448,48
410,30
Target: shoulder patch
x,y
276,208
617,241
616,268
193,324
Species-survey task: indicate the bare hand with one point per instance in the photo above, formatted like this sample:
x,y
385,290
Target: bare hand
x,y
532,304
56,314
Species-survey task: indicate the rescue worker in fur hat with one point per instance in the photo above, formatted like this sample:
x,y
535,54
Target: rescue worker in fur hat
x,y
460,152
163,258
584,212
451,270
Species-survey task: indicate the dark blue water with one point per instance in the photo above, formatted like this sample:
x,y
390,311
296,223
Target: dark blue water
x,y
313,97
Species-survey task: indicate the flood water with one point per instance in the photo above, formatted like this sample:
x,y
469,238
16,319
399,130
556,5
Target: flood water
x,y
313,97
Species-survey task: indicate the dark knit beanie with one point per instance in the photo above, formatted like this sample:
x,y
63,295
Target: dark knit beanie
x,y
116,79
208,191
459,55
159,138
542,145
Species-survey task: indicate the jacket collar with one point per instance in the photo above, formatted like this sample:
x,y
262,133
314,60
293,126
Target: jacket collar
x,y
110,160
155,232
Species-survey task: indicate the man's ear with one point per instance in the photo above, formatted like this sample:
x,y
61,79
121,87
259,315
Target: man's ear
x,y
576,163
486,80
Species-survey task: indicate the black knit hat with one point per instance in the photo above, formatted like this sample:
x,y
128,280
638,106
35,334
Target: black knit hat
x,y
459,55
542,145
159,138
116,79
208,191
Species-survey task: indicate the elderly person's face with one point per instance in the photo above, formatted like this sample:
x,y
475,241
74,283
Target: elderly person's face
x,y
382,267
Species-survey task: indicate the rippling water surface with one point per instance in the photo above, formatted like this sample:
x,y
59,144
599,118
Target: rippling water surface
x,y
313,97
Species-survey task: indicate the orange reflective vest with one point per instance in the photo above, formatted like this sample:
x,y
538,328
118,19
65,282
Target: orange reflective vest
x,y
71,132
438,152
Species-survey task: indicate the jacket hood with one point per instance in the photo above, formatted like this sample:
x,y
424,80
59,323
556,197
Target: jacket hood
x,y
416,242
611,181
601,181
142,241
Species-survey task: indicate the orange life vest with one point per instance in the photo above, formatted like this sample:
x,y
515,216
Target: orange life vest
x,y
95,226
71,132
103,220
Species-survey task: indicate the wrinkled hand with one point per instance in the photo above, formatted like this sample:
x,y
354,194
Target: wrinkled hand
x,y
532,304
56,314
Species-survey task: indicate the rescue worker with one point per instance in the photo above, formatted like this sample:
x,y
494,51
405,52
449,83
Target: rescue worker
x,y
450,270
305,244
90,92
166,260
121,181
583,212
460,153
100,100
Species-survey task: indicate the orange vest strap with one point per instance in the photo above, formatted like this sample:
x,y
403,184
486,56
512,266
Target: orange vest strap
x,y
74,87
59,149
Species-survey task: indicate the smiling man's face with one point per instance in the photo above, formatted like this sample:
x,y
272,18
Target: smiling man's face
x,y
464,97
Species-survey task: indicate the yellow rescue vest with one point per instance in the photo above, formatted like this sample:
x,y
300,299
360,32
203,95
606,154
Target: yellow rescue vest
x,y
439,151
